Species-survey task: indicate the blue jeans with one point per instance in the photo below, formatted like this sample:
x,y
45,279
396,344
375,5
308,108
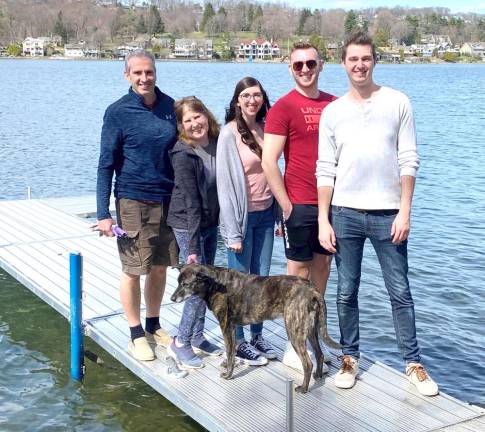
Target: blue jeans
x,y
193,316
255,257
352,228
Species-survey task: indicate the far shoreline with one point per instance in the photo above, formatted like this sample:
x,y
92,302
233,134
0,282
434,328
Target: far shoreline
x,y
276,61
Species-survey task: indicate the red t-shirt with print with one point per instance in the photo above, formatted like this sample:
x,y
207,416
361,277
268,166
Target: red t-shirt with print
x,y
297,117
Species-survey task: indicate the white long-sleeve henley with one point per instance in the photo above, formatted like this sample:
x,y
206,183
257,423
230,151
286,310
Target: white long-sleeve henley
x,y
364,149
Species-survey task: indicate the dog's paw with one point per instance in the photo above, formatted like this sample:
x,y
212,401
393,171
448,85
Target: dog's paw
x,y
300,389
226,375
317,375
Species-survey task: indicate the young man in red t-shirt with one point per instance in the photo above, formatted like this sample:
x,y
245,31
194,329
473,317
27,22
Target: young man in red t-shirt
x,y
292,127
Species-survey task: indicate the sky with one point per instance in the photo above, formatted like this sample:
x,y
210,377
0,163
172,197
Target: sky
x,y
455,6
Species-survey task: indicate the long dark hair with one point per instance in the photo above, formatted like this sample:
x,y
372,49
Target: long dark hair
x,y
233,112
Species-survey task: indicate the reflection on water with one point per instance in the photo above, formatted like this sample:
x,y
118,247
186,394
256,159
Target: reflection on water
x,y
49,134
36,392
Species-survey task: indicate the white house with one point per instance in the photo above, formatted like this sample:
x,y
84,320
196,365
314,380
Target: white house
x,y
476,49
258,49
34,47
74,51
193,48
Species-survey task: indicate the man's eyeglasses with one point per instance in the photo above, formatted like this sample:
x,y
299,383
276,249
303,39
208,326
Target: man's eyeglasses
x,y
298,65
247,96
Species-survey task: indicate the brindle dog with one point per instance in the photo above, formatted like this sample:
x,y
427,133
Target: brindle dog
x,y
238,298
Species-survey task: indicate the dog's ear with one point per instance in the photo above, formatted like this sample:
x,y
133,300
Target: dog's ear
x,y
218,287
210,284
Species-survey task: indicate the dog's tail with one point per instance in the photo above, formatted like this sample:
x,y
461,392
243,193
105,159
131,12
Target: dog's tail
x,y
322,318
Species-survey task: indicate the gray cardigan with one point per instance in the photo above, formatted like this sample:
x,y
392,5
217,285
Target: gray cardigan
x,y
231,188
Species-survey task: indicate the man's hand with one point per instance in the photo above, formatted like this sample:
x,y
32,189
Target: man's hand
x,y
287,211
326,237
192,259
236,247
104,227
401,227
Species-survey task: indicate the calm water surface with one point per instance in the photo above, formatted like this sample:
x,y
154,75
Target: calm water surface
x,y
50,121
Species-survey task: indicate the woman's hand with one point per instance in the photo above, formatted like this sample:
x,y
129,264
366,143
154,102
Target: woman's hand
x,y
192,259
236,247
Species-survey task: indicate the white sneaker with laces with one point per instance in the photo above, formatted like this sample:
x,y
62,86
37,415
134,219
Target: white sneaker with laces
x,y
418,376
291,359
345,377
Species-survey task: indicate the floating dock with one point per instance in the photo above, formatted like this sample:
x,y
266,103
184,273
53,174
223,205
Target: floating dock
x,y
36,239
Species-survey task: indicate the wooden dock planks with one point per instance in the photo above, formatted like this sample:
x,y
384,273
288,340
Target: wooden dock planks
x,y
35,242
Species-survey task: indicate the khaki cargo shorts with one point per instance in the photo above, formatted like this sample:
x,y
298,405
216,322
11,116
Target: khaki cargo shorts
x,y
150,240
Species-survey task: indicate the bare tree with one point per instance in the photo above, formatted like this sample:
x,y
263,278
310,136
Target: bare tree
x,y
278,22
179,20
333,24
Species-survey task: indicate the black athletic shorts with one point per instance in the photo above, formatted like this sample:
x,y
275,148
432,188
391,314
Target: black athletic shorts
x,y
300,233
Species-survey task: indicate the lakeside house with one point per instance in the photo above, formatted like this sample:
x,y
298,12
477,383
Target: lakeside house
x,y
122,50
332,50
37,46
74,51
474,49
258,49
193,48
34,47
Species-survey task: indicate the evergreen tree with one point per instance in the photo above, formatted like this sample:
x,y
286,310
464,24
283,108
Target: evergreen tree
x,y
258,20
222,11
154,23
59,28
141,28
350,22
413,23
381,37
250,17
305,14
207,15
319,42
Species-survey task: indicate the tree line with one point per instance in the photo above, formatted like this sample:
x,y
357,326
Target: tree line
x,y
103,22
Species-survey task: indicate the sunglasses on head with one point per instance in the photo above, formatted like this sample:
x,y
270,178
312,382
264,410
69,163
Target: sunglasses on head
x,y
298,65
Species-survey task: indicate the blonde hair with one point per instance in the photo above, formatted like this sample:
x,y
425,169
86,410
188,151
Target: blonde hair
x,y
194,104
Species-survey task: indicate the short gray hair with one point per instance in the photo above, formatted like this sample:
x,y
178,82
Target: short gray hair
x,y
138,53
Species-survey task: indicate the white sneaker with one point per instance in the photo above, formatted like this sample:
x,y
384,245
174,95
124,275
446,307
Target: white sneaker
x,y
418,376
345,377
291,359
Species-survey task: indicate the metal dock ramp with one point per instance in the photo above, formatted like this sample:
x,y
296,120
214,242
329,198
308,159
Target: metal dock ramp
x,y
35,241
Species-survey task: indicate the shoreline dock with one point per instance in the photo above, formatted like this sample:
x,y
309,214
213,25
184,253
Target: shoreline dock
x,y
35,241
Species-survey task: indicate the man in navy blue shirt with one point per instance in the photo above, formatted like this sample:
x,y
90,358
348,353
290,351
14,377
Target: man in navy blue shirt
x,y
138,131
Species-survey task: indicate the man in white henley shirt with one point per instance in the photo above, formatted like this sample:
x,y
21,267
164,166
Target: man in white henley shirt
x,y
366,168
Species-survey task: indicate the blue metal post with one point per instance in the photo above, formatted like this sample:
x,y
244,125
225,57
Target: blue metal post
x,y
77,342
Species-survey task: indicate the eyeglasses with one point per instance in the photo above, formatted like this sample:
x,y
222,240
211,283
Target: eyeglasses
x,y
247,96
298,65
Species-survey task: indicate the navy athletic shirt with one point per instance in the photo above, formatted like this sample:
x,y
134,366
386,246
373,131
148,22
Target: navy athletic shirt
x,y
135,141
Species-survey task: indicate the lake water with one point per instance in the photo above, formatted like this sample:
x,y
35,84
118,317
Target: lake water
x,y
50,120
